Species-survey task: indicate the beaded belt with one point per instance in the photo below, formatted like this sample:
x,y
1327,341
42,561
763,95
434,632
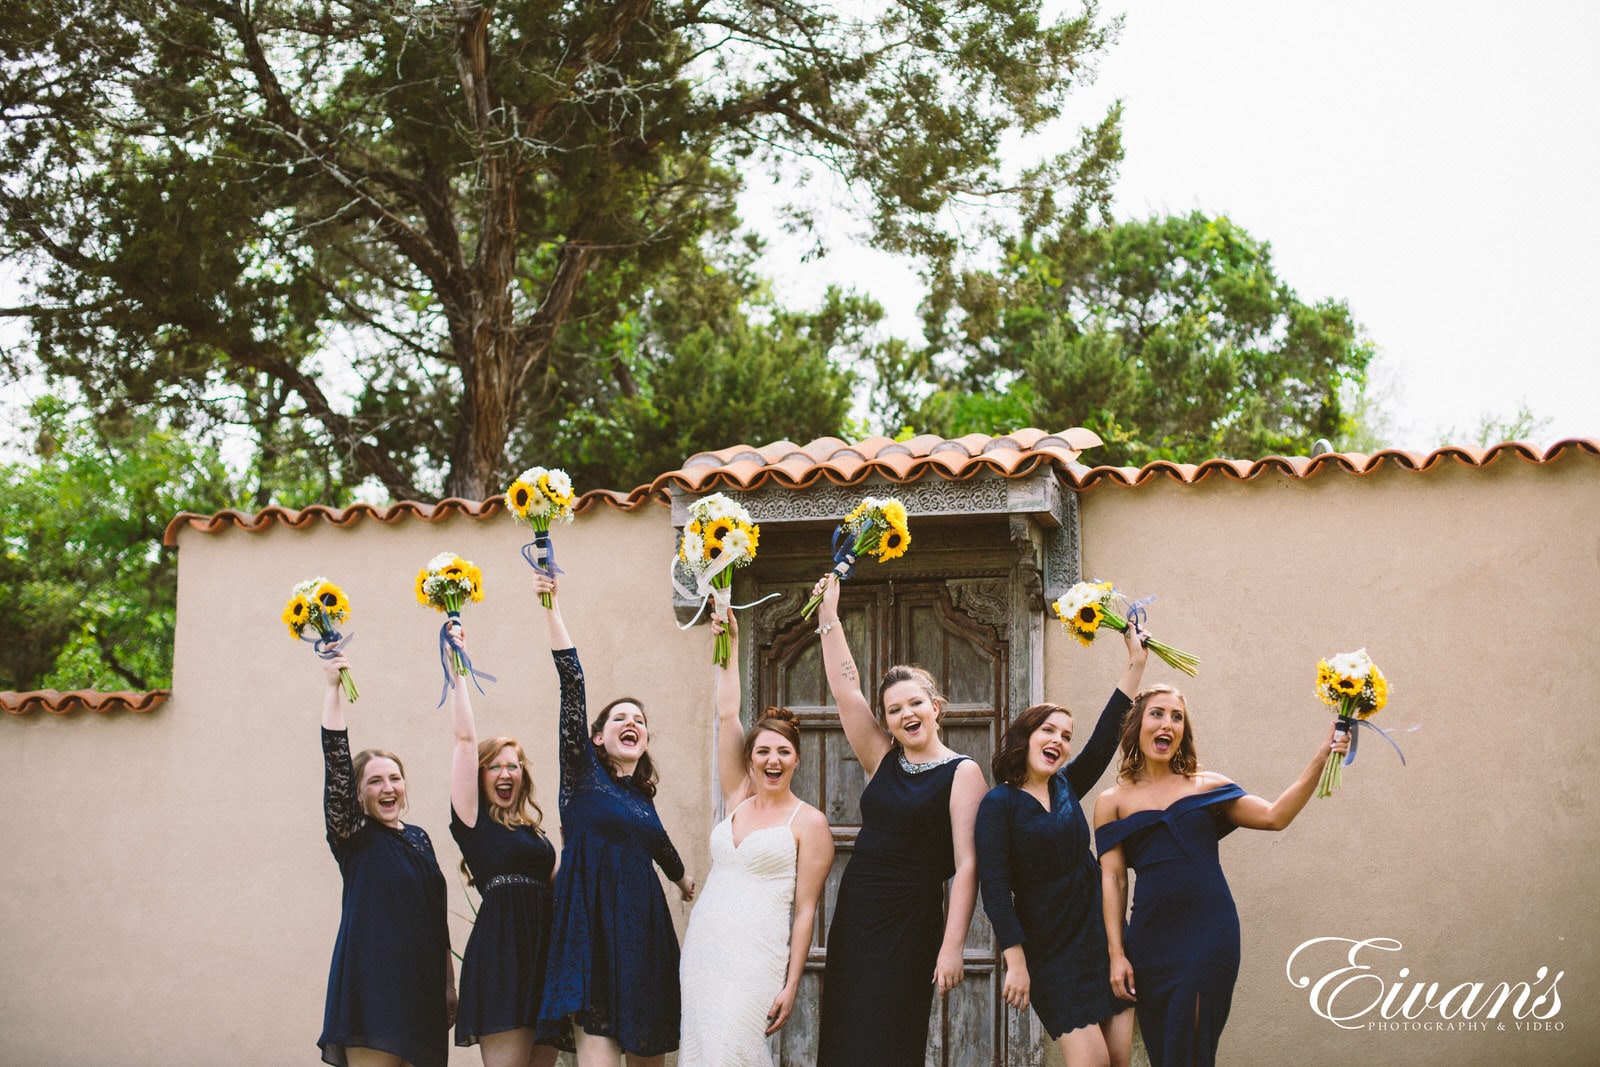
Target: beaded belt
x,y
514,879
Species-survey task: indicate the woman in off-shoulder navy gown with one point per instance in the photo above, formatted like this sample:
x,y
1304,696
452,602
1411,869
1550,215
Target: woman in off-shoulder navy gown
x,y
1041,884
613,970
495,821
391,985
1179,955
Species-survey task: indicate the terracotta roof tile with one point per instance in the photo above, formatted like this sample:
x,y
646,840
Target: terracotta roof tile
x,y
58,703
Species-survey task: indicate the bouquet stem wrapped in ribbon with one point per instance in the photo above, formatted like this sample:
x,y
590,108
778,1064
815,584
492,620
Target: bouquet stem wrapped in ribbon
x,y
445,584
1356,689
318,605
1087,606
540,496
877,525
719,537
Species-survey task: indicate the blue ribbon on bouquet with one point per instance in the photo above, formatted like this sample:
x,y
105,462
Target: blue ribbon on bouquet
x,y
1133,610
329,646
1355,735
448,644
844,556
541,547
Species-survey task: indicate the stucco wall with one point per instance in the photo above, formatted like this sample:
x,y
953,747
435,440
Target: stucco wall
x,y
167,898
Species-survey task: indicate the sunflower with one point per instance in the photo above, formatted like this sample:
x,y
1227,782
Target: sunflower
x,y
475,576
893,544
335,605
719,528
296,614
753,532
1349,687
422,588
519,497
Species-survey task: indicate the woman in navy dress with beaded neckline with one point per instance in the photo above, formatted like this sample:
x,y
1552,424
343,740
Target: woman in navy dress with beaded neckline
x,y
1177,957
612,977
892,941
507,856
391,985
1041,883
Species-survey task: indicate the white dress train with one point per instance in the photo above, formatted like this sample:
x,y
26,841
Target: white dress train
x,y
737,947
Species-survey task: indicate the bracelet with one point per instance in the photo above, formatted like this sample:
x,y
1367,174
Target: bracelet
x,y
825,627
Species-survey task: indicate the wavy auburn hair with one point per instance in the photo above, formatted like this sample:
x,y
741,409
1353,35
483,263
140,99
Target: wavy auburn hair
x,y
1184,761
522,801
644,772
780,721
1010,763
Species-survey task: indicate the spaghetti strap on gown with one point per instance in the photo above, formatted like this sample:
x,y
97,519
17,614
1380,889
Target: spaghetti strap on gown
x,y
1183,936
736,952
888,921
613,967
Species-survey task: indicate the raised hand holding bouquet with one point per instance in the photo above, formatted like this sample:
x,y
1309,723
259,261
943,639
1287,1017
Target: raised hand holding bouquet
x,y
540,496
877,525
719,537
1356,689
1087,606
319,605
445,584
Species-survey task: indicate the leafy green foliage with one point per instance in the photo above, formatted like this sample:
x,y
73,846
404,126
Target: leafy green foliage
x,y
91,592
1171,338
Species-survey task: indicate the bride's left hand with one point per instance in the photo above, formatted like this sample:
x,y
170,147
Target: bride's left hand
x,y
782,1006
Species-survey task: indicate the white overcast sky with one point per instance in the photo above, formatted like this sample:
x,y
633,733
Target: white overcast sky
x,y
1432,163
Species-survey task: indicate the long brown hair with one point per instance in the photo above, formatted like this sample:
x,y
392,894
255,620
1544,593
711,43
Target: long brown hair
x,y
644,772
1184,761
1010,763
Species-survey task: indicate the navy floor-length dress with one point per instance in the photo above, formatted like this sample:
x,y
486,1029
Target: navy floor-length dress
x,y
503,965
888,921
1041,884
389,976
1182,938
613,967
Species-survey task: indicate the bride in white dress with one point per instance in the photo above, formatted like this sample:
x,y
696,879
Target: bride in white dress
x,y
743,954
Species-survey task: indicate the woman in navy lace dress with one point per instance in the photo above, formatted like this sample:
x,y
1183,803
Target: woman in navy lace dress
x,y
391,986
892,940
1178,956
1041,884
613,970
506,855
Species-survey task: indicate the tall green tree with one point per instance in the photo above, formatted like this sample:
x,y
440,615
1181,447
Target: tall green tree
x,y
1172,338
417,236
90,591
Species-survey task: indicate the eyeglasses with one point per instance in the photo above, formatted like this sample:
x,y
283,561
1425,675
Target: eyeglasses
x,y
509,768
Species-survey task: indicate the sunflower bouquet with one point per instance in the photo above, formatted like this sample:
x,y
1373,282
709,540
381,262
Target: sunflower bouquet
x,y
1088,606
1356,689
719,537
538,497
877,525
446,583
318,605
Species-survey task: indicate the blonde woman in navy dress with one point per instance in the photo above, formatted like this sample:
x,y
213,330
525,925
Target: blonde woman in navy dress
x,y
743,956
612,978
510,861
1041,884
1178,956
892,941
391,985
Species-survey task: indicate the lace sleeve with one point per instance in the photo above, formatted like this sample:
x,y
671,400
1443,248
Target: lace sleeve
x,y
339,807
577,754
667,858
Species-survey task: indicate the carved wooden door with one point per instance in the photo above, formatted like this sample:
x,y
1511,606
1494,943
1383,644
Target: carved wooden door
x,y
889,623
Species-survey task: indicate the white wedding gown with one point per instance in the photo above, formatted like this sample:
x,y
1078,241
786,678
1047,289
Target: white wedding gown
x,y
737,947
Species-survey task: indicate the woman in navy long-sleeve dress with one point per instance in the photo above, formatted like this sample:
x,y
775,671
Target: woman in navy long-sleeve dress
x,y
613,970
1178,956
391,985
495,821
1041,884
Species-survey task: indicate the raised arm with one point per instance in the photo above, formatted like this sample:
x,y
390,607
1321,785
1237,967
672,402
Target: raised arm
x,y
1135,638
341,811
732,773
577,754
554,623
966,793
464,751
1254,813
868,740
1114,900
813,861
